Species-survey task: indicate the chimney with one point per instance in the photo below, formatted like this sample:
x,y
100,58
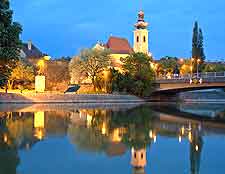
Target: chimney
x,y
29,45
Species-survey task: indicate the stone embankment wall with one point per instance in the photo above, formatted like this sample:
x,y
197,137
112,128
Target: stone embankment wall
x,y
67,98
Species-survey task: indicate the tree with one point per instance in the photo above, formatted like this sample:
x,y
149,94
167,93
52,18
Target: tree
x,y
219,67
57,74
168,63
10,43
198,46
138,74
21,72
201,46
93,62
77,73
195,41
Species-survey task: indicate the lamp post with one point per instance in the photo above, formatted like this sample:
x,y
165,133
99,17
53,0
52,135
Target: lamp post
x,y
198,61
191,68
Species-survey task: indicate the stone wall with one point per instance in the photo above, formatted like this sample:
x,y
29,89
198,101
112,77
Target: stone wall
x,y
66,98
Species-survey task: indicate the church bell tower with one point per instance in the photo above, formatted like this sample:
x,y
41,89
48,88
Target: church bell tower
x,y
141,35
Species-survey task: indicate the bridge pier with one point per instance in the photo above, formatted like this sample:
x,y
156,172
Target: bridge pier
x,y
164,97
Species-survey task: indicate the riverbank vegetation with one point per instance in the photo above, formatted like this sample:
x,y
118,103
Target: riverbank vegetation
x,y
10,42
135,77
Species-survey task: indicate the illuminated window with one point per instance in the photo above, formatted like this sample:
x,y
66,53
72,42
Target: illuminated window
x,y
137,38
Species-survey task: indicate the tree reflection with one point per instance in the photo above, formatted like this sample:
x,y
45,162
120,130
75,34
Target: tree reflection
x,y
129,127
9,158
196,146
138,122
19,131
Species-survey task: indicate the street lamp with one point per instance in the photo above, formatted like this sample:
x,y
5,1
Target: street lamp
x,y
191,68
198,62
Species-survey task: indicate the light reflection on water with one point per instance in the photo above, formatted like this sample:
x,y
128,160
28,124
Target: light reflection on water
x,y
112,139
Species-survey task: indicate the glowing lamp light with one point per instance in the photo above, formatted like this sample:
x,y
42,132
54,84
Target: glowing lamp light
x,y
150,134
190,136
5,138
155,138
182,130
196,148
47,58
132,150
103,129
181,60
180,139
89,120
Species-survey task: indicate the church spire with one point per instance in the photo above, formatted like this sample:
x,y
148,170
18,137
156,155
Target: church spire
x,y
141,24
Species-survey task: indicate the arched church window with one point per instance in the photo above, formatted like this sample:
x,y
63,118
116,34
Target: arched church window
x,y
137,38
144,39
142,155
135,155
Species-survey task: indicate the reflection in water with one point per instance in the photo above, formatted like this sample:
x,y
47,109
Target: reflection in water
x,y
108,131
138,160
39,125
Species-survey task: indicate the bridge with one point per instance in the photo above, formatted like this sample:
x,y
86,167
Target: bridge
x,y
169,87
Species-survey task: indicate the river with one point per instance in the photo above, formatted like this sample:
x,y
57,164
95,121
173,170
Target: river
x,y
112,138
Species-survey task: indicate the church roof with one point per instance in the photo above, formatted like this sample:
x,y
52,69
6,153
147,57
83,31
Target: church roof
x,y
34,52
119,45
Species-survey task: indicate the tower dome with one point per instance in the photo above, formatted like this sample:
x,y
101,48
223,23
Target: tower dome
x,y
141,24
141,15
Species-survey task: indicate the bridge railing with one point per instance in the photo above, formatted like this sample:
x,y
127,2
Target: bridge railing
x,y
205,75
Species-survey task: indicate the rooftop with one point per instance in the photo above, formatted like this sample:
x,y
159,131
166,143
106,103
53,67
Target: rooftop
x,y
119,45
31,51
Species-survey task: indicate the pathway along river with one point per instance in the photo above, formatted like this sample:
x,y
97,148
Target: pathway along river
x,y
109,139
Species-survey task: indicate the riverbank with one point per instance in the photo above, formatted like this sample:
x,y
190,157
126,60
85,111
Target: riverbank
x,y
67,98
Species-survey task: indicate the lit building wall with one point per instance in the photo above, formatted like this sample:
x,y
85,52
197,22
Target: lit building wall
x,y
117,64
141,41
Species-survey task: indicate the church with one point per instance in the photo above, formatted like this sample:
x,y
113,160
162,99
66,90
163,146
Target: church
x,y
121,48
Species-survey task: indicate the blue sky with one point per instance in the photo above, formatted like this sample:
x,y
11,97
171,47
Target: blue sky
x,y
62,28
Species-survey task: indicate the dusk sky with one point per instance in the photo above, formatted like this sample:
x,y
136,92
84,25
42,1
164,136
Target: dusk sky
x,y
62,28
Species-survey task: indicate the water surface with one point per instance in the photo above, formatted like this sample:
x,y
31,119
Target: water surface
x,y
110,138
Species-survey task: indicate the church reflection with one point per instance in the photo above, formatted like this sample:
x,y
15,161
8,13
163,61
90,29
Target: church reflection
x,y
138,160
